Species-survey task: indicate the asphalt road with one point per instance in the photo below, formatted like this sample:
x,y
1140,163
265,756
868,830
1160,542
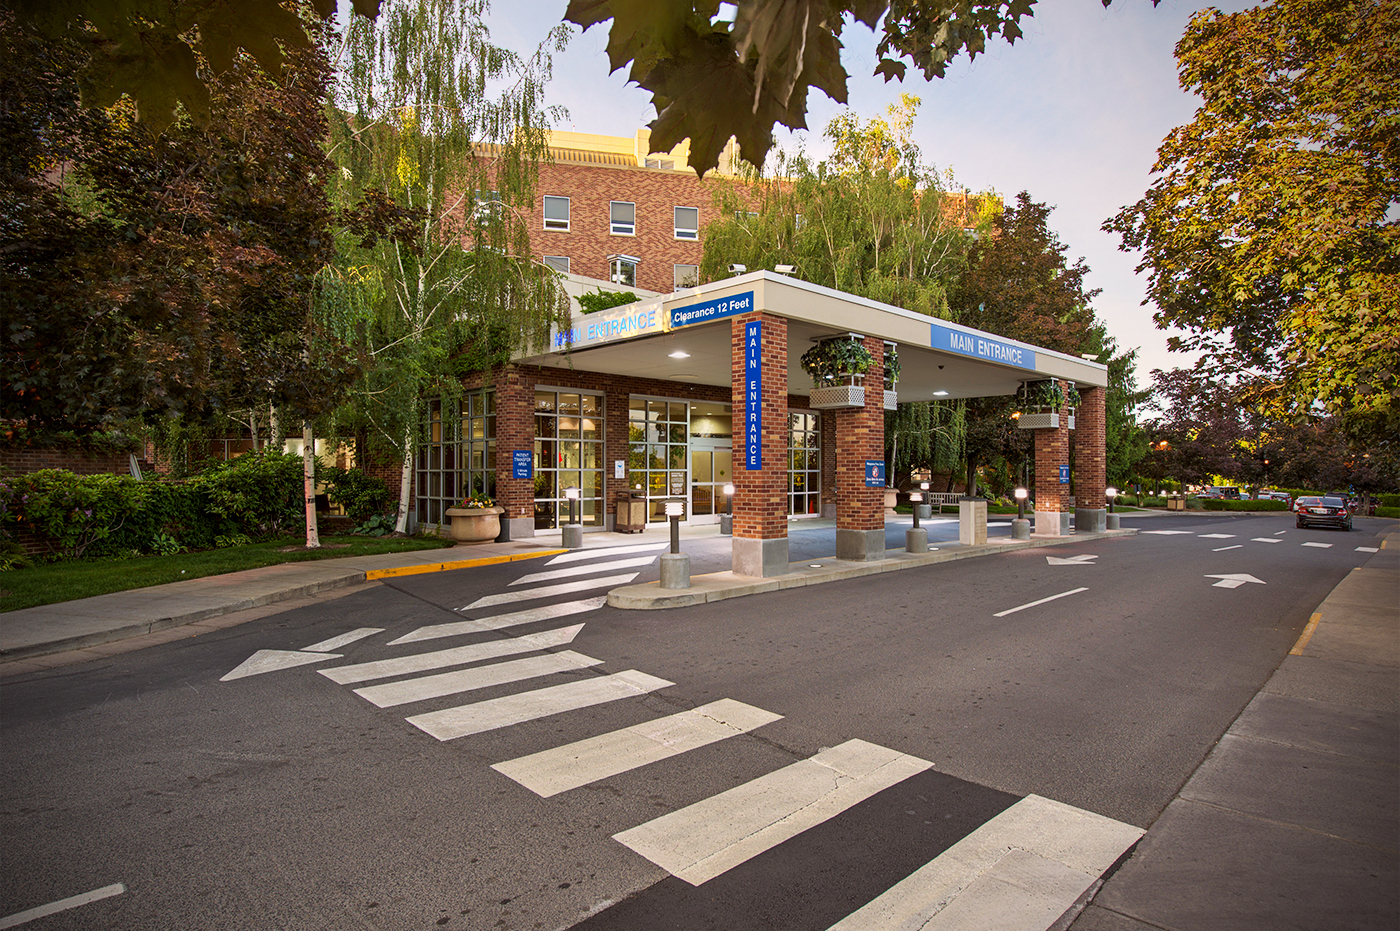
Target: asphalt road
x,y
286,800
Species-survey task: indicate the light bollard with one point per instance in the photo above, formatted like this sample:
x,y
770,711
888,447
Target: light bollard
x,y
926,509
1020,527
1111,493
573,531
675,565
916,537
726,520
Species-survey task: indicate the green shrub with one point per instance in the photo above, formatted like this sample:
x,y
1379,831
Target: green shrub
x,y
13,556
361,494
378,525
1227,504
1387,512
259,494
598,299
1388,501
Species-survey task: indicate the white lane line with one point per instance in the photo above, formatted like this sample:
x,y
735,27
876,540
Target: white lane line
x,y
499,621
571,571
1020,871
335,643
96,895
1166,533
702,841
457,656
1221,549
1368,549
550,772
1321,546
576,555
1216,536
451,723
549,591
466,680
1073,591
1265,540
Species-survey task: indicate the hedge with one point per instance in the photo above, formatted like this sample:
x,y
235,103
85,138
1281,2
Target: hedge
x,y
1389,501
1229,504
1388,512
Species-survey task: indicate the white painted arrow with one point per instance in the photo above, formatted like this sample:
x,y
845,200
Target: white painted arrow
x,y
273,660
1235,580
1083,559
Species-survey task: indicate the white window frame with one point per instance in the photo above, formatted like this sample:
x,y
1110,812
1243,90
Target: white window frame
x,y
558,258
622,228
559,226
617,261
676,274
486,202
691,233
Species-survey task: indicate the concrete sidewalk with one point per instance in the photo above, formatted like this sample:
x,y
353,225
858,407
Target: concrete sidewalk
x,y
1291,821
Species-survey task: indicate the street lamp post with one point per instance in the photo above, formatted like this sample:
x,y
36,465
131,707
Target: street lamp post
x,y
1020,527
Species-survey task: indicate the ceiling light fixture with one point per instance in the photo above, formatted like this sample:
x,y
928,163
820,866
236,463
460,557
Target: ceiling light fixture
x,y
940,394
679,354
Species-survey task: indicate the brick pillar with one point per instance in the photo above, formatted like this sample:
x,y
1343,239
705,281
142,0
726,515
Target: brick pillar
x,y
828,422
1090,462
1051,497
860,435
515,430
617,445
760,543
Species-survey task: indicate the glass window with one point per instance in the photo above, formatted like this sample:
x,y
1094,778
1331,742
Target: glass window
x,y
556,213
486,202
457,455
623,270
687,222
560,263
623,218
685,276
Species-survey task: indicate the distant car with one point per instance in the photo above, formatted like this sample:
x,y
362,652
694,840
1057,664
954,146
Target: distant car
x,y
1328,512
1221,491
1303,501
1283,496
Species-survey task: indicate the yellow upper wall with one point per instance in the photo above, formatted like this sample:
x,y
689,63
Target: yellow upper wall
x,y
638,148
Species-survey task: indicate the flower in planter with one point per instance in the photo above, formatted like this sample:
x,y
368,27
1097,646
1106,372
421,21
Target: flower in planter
x,y
478,500
830,359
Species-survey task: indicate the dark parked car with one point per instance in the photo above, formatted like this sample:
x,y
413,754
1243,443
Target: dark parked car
x,y
1330,512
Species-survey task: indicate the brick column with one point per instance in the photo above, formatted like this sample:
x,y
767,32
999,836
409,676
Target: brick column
x,y
760,495
1051,498
1090,462
515,430
860,435
828,422
617,445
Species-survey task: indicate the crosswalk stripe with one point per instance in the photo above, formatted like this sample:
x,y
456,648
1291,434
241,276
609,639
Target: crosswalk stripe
x,y
457,656
479,677
702,841
1265,540
570,571
1367,549
550,772
451,723
499,621
1020,871
335,643
576,555
549,591
1321,546
1167,533
1216,536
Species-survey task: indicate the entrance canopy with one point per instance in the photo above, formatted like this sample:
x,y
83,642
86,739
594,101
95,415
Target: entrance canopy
x,y
686,337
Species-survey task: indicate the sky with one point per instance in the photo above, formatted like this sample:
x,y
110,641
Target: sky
x,y
1073,113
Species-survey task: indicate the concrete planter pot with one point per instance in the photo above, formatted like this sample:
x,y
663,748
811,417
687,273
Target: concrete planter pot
x,y
475,525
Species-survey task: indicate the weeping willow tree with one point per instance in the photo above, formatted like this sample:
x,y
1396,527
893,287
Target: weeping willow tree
x,y
926,434
436,132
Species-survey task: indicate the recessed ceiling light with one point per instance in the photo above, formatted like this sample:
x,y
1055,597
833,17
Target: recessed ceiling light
x,y
940,394
815,565
679,354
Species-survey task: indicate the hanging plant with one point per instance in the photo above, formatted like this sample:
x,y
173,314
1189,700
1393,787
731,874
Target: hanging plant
x,y
1072,397
832,359
1044,395
892,368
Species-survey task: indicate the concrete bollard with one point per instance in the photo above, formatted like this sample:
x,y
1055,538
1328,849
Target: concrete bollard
x,y
675,570
573,536
916,540
726,525
925,511
1113,522
1020,529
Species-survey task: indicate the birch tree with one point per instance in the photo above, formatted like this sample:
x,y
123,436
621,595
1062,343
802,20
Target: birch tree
x,y
436,132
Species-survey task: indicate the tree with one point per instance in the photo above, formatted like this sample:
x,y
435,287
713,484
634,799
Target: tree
x,y
153,276
1271,234
442,284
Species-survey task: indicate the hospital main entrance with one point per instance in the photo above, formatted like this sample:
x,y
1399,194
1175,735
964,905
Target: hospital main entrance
x,y
711,468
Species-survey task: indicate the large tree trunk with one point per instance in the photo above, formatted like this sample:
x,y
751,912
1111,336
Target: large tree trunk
x,y
274,429
405,481
970,490
308,472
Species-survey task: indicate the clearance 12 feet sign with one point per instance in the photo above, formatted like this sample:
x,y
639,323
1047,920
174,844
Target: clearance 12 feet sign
x,y
753,396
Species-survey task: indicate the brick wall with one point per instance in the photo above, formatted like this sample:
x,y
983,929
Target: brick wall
x,y
1090,449
589,240
860,435
82,462
760,498
1051,452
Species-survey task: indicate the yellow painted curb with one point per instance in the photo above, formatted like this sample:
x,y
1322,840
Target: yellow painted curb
x,y
1305,636
460,564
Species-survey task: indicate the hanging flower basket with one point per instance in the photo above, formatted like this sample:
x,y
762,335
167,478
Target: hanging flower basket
x,y
837,368
1043,403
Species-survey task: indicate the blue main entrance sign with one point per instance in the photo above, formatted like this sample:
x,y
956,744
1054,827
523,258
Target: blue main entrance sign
x,y
753,396
948,339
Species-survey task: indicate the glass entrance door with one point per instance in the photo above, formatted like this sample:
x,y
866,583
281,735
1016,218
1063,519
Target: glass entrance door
x,y
711,468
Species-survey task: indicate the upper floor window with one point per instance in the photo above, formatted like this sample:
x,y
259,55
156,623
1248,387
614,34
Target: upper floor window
x,y
560,263
556,213
622,269
623,216
486,202
687,222
663,163
685,276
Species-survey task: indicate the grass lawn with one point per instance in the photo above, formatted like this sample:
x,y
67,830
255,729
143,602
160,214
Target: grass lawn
x,y
48,583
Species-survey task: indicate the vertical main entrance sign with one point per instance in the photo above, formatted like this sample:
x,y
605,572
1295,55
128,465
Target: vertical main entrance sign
x,y
753,396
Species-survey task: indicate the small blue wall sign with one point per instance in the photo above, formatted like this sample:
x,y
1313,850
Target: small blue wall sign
x,y
1064,475
521,464
874,473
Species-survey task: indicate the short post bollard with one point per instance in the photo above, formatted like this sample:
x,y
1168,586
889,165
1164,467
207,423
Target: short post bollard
x,y
573,531
726,520
924,510
1020,527
675,565
1110,493
916,538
